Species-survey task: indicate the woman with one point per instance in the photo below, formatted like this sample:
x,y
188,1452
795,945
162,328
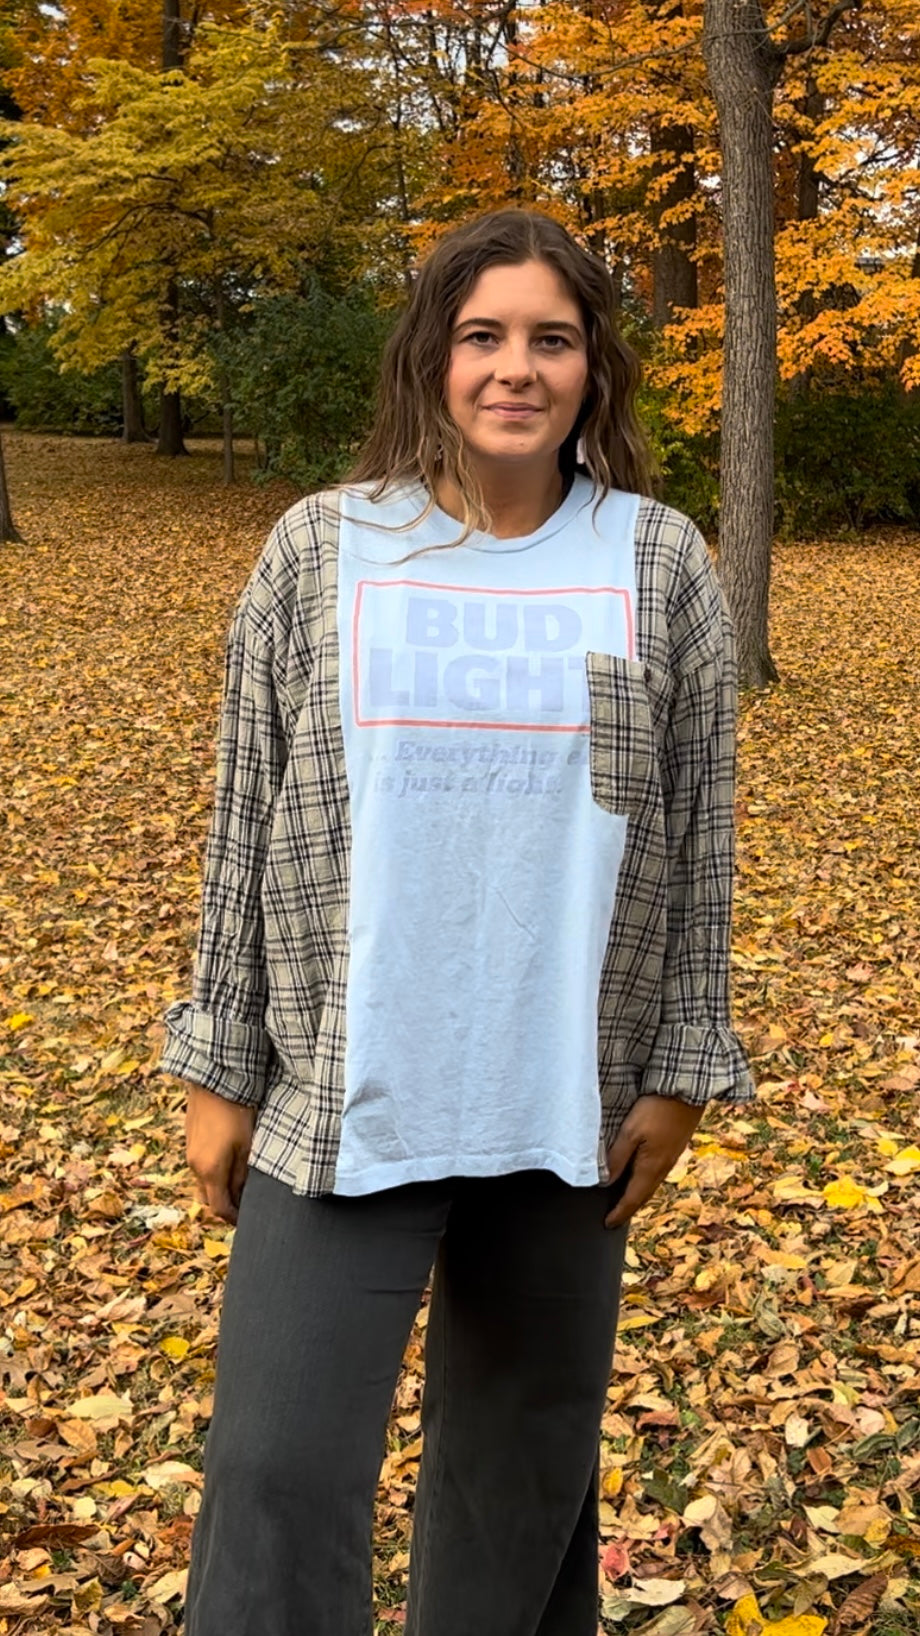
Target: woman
x,y
461,989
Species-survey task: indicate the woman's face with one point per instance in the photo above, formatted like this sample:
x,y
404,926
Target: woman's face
x,y
518,366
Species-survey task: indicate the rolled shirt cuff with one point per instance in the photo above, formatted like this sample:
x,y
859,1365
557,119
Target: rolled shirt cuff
x,y
220,1053
698,1064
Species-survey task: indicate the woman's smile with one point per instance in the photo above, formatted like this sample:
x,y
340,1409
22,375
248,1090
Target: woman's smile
x,y
513,411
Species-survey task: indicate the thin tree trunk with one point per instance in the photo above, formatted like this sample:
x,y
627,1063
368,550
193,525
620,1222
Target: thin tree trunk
x,y
225,395
807,205
229,463
8,530
170,440
172,35
133,429
674,269
744,69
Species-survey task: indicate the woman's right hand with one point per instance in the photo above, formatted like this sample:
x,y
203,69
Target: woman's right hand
x,y
218,1136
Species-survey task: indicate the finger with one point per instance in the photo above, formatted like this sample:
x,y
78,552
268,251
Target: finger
x,y
619,1156
221,1203
238,1176
644,1181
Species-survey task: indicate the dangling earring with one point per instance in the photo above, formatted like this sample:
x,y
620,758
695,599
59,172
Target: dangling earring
x,y
581,454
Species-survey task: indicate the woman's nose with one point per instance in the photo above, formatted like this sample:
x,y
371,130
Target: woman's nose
x,y
514,364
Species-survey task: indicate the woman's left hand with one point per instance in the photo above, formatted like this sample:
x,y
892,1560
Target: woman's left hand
x,y
651,1139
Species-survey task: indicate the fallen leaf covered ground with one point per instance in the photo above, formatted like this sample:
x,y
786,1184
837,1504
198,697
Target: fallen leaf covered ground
x,y
761,1446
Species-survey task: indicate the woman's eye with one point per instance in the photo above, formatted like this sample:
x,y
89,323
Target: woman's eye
x,y
552,343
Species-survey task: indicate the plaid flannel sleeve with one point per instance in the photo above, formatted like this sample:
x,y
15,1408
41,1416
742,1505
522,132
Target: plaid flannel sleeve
x,y
696,1055
218,1039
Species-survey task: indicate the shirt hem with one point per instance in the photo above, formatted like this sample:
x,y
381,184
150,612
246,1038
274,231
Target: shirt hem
x,y
379,1177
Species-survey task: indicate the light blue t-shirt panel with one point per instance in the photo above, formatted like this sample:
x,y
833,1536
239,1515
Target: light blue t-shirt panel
x,y
483,873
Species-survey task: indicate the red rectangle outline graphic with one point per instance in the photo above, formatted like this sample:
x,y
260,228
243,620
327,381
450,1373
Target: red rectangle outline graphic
x,y
483,590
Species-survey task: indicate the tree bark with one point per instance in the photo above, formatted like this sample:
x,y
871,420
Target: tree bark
x,y
229,463
133,429
172,35
808,189
9,533
170,440
744,69
674,272
226,401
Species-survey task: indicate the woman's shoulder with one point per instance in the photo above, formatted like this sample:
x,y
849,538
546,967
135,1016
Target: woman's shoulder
x,y
662,527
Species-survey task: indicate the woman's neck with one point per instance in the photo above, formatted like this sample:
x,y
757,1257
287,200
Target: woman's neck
x,y
518,502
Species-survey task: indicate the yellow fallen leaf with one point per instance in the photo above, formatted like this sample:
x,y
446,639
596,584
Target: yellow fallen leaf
x,y
612,1482
19,1019
844,1194
117,1489
745,1618
216,1248
823,1517
798,1624
905,1162
887,1147
175,1346
637,1320
88,1596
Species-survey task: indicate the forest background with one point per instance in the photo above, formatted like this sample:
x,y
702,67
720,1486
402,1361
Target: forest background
x,y
212,214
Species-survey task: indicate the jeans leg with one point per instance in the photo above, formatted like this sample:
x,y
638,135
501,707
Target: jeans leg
x,y
518,1355
320,1298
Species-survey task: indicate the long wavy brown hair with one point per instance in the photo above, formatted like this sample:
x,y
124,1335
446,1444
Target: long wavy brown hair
x,y
414,438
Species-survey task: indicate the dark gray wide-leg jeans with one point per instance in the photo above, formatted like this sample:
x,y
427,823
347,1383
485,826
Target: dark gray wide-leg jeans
x,y
321,1295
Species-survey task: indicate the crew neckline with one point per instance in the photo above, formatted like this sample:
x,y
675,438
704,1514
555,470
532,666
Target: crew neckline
x,y
578,496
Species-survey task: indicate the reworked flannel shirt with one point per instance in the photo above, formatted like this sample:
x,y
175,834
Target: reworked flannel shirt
x,y
266,1021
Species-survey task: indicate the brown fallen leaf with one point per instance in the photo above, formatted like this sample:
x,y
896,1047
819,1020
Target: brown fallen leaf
x,y
860,1605
60,1534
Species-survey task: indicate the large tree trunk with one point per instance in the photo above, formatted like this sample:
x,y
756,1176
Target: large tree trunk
x,y
674,271
8,529
744,68
170,440
133,429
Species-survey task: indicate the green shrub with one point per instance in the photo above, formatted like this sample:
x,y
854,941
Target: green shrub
x,y
45,398
688,462
847,459
302,374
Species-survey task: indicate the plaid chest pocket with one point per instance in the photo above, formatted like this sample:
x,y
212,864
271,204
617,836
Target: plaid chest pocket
x,y
627,699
